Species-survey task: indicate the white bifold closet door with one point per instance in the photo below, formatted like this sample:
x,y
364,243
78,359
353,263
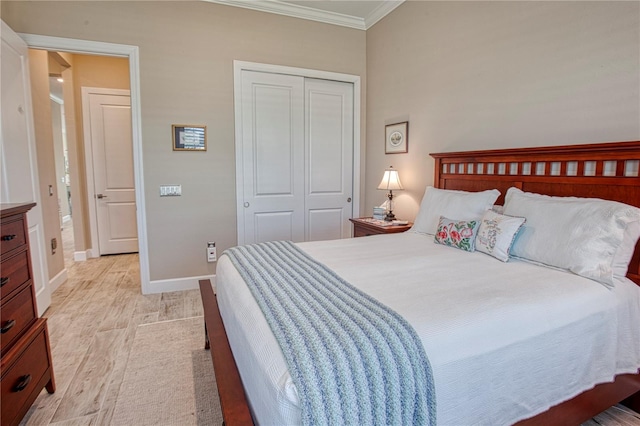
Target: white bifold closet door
x,y
297,158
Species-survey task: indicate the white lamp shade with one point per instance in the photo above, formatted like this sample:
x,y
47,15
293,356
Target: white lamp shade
x,y
390,180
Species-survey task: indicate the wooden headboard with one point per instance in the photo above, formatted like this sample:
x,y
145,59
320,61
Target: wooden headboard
x,y
603,170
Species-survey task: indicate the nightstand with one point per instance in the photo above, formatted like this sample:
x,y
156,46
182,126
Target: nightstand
x,y
364,226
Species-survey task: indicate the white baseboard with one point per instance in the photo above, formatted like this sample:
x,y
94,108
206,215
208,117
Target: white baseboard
x,y
176,284
58,280
80,256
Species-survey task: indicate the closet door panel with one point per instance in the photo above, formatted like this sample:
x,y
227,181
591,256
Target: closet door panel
x,y
273,156
274,141
329,158
325,224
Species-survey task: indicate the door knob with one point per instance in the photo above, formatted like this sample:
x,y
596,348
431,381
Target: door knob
x,y
349,200
246,204
100,196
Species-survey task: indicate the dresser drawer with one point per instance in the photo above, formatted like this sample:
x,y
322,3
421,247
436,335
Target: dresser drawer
x,y
12,235
361,232
14,272
22,378
16,315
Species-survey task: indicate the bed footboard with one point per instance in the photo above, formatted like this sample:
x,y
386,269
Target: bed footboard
x,y
235,409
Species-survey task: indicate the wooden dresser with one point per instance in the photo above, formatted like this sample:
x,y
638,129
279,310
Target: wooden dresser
x,y
25,366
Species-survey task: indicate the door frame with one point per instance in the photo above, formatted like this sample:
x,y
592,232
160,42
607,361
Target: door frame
x,y
131,52
238,67
88,159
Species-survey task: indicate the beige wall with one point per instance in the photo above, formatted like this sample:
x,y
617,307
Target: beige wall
x,y
480,75
186,64
467,75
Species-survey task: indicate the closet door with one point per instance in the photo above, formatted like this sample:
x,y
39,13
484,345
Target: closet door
x,y
272,157
328,159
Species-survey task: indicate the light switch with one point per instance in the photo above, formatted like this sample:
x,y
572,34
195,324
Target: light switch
x,y
170,190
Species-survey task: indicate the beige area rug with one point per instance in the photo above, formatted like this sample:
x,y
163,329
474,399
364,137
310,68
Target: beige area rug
x,y
169,378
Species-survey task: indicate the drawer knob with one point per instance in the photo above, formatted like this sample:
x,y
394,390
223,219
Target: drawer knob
x,y
7,326
8,237
23,383
3,281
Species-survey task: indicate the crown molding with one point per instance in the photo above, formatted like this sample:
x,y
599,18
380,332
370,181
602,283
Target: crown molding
x,y
296,11
304,12
380,12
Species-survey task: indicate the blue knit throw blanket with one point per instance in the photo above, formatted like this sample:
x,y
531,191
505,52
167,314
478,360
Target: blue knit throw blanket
x,y
353,360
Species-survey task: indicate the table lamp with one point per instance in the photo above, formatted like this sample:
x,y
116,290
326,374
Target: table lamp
x,y
390,181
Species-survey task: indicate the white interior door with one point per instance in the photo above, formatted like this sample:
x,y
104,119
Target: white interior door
x,y
328,159
272,157
18,162
107,121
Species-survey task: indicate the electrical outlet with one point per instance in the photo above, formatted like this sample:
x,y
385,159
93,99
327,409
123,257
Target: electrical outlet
x,y
211,252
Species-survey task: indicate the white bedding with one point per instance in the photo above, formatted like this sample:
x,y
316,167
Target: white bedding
x,y
506,341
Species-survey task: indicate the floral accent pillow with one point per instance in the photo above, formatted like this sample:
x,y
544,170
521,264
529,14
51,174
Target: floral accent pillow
x,y
457,233
497,233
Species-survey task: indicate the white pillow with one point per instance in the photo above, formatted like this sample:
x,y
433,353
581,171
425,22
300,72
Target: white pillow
x,y
497,233
498,208
588,236
462,205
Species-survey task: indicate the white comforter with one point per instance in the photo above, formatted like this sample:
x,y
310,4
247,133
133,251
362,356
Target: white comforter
x,y
506,341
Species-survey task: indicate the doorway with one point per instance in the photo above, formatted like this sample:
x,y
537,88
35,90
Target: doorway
x,y
132,54
91,129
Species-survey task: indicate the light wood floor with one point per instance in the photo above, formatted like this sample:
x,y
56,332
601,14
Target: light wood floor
x,y
92,321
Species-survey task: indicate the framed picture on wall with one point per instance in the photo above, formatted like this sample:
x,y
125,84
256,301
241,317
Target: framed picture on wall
x,y
187,137
396,138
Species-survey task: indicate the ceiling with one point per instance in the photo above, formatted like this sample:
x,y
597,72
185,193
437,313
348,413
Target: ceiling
x,y
359,14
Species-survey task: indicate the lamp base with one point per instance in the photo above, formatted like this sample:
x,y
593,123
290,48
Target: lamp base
x,y
390,216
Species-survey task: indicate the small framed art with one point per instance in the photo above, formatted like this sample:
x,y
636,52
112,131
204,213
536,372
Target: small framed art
x,y
187,137
396,138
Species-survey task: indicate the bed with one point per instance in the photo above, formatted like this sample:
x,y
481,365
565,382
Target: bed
x,y
607,171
